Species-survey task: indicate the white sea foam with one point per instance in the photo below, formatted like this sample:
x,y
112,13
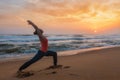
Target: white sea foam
x,y
15,45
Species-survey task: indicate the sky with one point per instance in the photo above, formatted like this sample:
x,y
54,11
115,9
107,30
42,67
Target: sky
x,y
60,16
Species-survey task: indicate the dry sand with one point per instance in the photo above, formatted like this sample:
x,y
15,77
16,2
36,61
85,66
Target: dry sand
x,y
92,65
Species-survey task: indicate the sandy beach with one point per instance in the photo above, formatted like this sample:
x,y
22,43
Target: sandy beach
x,y
102,64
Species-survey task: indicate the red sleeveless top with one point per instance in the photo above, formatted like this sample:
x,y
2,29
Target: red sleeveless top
x,y
44,45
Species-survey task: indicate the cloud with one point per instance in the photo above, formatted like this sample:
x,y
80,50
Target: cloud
x,y
70,7
88,12
59,9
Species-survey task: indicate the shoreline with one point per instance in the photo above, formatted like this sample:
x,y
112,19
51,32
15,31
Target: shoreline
x,y
60,53
99,64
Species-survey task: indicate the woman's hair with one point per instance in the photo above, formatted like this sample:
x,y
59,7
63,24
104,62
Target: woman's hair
x,y
41,31
35,33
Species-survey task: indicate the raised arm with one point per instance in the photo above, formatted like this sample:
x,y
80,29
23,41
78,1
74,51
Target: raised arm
x,y
38,31
31,23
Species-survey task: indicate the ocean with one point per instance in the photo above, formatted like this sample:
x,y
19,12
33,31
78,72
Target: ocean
x,y
21,45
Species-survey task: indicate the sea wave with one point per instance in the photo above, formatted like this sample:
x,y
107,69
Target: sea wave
x,y
26,44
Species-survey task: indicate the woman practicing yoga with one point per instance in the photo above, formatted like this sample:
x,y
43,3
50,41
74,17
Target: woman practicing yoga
x,y
43,51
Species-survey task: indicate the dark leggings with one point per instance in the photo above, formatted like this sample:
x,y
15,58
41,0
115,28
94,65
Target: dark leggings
x,y
38,56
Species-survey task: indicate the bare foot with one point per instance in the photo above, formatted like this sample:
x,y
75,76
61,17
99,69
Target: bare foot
x,y
21,74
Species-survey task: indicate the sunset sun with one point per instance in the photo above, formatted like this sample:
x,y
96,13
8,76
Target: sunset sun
x,y
69,16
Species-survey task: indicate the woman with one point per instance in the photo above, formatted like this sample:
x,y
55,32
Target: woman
x,y
41,52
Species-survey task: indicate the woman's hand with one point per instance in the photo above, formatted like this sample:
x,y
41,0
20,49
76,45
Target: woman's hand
x,y
29,22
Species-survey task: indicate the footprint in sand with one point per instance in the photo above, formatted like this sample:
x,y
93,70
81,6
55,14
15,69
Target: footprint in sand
x,y
66,67
54,67
76,75
24,74
58,67
53,72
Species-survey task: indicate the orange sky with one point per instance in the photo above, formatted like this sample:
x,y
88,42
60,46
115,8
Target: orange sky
x,y
60,16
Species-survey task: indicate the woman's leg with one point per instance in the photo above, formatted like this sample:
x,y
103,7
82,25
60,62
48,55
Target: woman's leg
x,y
54,54
38,56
